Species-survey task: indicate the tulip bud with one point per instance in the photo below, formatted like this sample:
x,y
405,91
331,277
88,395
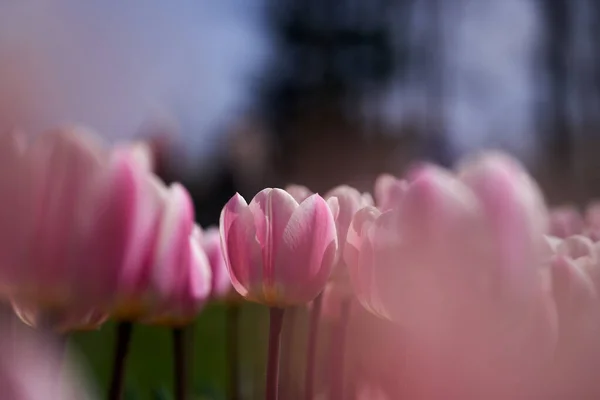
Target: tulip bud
x,y
278,252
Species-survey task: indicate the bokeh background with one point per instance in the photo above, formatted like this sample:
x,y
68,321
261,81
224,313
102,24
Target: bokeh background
x,y
238,95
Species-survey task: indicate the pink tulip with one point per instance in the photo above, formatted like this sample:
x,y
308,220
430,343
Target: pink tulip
x,y
88,231
65,217
458,263
164,264
389,191
143,153
299,192
349,201
210,240
575,273
566,221
278,252
181,303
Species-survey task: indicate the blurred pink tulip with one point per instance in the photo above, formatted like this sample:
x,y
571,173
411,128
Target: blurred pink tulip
x,y
299,192
32,368
88,231
142,152
278,252
165,274
457,262
575,273
181,303
349,201
389,191
210,241
566,221
66,206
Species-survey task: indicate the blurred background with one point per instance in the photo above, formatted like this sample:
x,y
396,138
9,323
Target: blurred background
x,y
242,94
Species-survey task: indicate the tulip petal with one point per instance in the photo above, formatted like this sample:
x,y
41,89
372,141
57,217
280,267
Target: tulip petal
x,y
242,249
221,282
517,215
272,209
298,192
65,167
228,214
173,239
308,250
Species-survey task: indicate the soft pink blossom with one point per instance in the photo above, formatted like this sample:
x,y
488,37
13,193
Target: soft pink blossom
x,y
389,190
298,192
210,240
180,303
278,252
164,265
565,221
65,218
575,281
458,263
87,231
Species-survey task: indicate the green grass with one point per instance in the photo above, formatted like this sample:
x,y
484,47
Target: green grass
x,y
149,368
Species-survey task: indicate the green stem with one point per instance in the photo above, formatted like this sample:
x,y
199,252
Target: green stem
x,y
233,355
338,350
124,330
183,341
287,350
275,325
311,352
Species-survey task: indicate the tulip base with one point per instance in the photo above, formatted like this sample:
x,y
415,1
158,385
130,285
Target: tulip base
x,y
124,330
275,326
311,352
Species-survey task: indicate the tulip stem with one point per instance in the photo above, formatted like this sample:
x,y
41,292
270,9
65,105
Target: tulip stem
x,y
338,350
233,354
124,330
275,324
287,347
311,352
183,340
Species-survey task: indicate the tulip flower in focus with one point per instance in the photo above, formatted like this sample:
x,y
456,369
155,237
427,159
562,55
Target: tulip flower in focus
x,y
458,263
278,252
31,368
349,201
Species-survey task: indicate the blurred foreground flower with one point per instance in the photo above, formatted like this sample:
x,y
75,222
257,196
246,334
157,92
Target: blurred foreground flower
x,y
86,232
278,252
457,262
65,203
31,368
567,220
576,280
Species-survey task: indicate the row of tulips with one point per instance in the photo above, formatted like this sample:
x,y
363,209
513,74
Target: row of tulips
x,y
478,290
